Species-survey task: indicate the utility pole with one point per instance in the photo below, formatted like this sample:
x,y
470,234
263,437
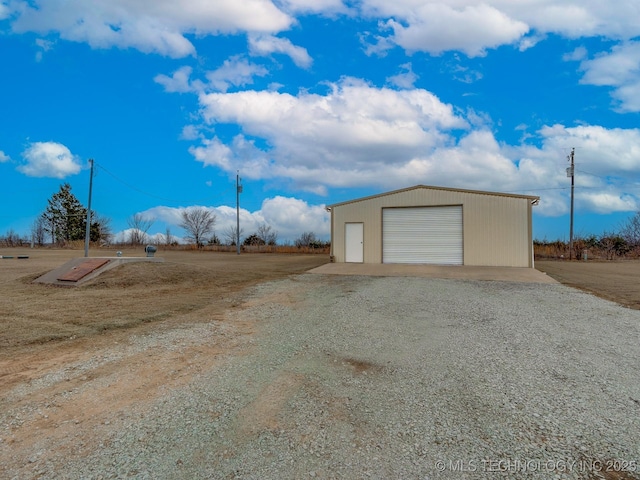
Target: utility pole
x,y
570,173
87,233
238,192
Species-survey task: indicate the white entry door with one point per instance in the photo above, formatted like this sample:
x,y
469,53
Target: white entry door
x,y
354,242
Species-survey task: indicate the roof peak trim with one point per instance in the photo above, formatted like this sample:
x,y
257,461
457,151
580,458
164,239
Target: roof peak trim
x,y
430,187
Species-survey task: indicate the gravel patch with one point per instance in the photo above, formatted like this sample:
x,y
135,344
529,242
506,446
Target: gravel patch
x,y
413,378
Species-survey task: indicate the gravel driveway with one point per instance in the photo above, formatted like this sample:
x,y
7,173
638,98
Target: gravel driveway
x,y
397,378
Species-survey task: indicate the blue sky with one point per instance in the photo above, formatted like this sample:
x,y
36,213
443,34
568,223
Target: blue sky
x,y
316,102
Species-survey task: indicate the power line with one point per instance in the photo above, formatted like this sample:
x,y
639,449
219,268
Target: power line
x,y
537,190
158,197
592,174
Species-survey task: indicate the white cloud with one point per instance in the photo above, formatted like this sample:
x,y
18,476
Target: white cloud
x,y
620,66
157,26
470,26
461,72
378,45
473,26
49,159
354,129
580,53
291,217
628,96
168,215
360,136
606,203
620,69
178,82
355,135
214,153
267,44
190,132
530,41
577,18
314,6
437,27
4,10
242,151
310,137
124,237
44,46
405,79
601,151
605,160
4,157
477,159
235,71
288,216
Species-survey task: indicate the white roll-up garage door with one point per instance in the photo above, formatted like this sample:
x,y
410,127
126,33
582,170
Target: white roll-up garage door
x,y
431,235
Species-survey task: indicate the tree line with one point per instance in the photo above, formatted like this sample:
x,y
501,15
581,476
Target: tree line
x,y
64,221
609,245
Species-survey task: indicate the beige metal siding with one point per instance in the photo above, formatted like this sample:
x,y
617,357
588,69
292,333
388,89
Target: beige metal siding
x,y
497,232
496,228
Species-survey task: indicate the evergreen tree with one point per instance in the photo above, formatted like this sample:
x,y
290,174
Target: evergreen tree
x,y
65,219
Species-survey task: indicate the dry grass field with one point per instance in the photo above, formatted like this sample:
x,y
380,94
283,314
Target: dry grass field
x,y
75,361
618,281
54,340
128,296
139,294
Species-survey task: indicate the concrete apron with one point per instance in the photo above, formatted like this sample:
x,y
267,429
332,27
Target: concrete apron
x,y
459,272
51,277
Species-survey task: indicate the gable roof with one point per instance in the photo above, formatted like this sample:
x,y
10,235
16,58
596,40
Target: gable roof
x,y
534,199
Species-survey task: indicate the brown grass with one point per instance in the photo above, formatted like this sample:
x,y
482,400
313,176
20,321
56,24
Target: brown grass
x,y
129,295
246,249
618,281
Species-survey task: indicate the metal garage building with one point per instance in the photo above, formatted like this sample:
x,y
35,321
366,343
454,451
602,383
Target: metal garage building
x,y
434,225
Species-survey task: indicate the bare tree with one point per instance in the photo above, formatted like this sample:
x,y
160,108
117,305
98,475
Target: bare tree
x,y
231,235
38,231
101,230
49,226
139,226
11,239
267,234
630,231
307,239
613,245
168,238
198,222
